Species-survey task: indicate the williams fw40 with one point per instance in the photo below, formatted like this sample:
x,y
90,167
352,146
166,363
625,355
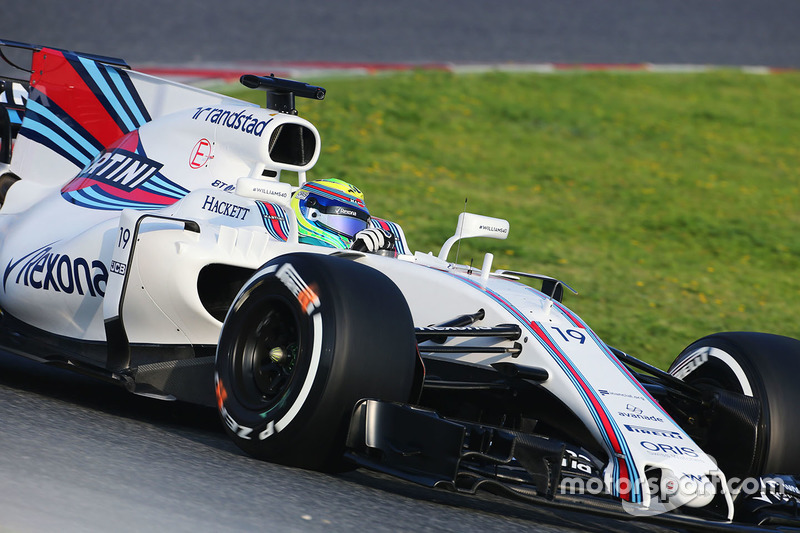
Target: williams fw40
x,y
148,238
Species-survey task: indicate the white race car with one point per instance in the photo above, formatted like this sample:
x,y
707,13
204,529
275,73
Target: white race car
x,y
150,236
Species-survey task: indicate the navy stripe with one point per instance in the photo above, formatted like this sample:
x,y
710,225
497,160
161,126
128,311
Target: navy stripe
x,y
134,95
52,145
158,184
62,115
63,138
117,96
96,198
93,86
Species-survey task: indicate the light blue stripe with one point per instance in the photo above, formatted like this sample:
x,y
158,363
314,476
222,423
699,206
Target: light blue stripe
x,y
282,222
82,201
160,181
123,90
285,227
45,131
92,197
586,400
155,189
89,192
393,229
97,76
632,472
272,232
38,108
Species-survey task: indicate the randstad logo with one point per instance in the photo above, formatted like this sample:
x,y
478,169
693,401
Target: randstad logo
x,y
233,120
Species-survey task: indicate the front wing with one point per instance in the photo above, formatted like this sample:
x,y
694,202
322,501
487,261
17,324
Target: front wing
x,y
418,445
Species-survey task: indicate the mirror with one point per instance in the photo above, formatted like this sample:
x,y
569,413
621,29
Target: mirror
x,y
472,225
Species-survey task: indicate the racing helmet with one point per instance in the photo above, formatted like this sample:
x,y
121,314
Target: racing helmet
x,y
329,212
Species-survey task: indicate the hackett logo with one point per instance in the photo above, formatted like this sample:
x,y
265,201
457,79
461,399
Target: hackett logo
x,y
122,169
225,208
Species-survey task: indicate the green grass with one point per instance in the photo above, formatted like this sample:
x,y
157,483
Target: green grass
x,y
670,202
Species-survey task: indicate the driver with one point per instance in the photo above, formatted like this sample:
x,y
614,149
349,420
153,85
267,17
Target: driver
x,y
331,212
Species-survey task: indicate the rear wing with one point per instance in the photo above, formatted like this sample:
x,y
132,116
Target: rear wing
x,y
17,77
17,64
78,105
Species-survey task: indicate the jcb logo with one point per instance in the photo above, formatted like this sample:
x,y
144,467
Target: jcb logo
x,y
117,268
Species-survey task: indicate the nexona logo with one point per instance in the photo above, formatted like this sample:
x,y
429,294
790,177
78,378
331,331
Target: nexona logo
x,y
235,121
44,270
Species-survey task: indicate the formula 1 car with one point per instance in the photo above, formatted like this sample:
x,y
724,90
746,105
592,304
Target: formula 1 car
x,y
147,238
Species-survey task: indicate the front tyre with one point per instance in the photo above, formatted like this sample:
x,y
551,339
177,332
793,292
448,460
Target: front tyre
x,y
757,430
306,338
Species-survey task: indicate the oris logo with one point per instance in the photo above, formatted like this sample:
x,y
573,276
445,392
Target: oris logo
x,y
668,449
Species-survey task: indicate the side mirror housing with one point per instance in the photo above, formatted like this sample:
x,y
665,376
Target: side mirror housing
x,y
472,225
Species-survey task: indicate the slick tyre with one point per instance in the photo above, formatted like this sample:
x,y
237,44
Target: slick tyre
x,y
306,338
761,367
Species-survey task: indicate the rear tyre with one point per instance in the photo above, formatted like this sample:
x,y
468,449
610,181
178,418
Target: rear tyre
x,y
306,338
760,367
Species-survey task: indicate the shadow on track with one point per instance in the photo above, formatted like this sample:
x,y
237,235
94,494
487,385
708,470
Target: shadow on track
x,y
485,502
190,420
202,425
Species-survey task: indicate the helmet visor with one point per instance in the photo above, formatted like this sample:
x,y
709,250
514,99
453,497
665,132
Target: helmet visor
x,y
342,220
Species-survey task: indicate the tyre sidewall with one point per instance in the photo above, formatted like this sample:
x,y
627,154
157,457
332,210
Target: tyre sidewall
x,y
759,365
261,431
334,304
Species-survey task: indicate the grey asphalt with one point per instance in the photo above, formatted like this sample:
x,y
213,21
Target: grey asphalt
x,y
720,32
78,455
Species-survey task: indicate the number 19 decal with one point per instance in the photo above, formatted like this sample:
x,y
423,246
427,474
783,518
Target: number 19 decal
x,y
124,237
571,334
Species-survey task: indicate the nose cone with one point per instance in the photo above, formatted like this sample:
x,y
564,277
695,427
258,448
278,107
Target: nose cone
x,y
692,490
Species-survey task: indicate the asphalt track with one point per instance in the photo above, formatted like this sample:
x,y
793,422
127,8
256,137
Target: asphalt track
x,y
81,455
78,455
718,32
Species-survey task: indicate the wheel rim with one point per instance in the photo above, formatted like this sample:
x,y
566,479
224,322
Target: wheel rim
x,y
266,361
